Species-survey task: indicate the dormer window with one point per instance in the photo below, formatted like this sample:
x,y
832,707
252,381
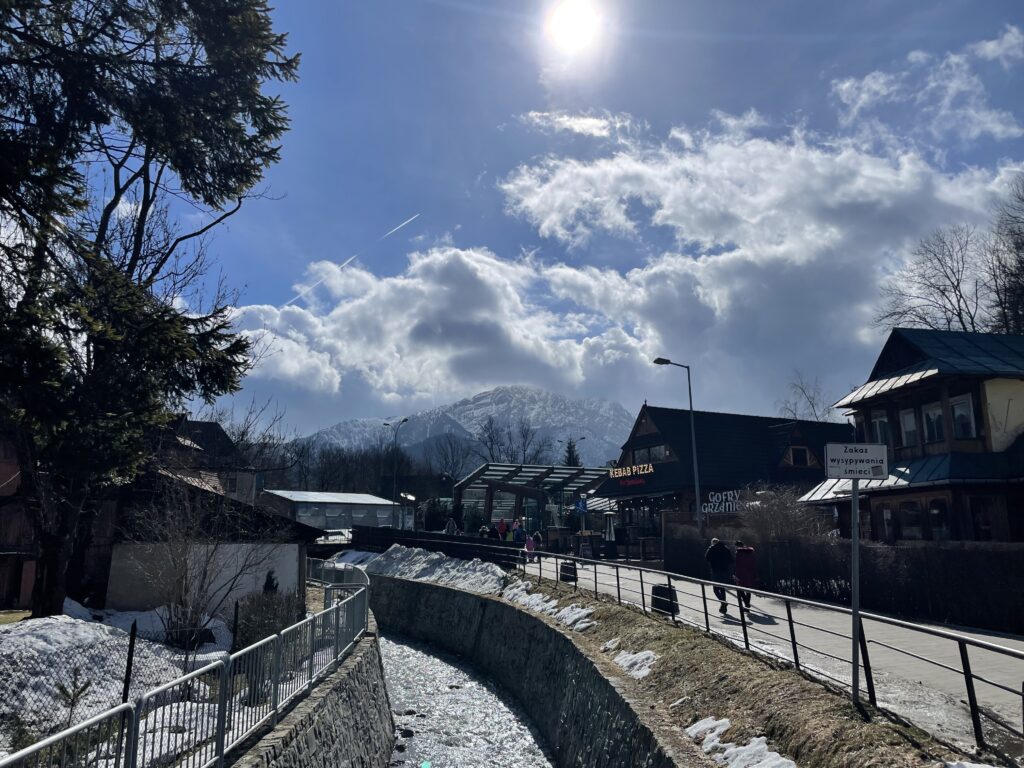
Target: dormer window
x,y
933,430
963,417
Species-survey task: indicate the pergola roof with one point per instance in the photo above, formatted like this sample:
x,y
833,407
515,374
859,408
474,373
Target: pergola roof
x,y
567,480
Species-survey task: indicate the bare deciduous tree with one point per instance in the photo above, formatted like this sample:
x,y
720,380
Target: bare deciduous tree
x,y
942,287
450,455
806,400
774,512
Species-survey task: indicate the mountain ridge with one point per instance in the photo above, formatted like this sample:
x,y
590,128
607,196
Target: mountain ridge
x,y
604,424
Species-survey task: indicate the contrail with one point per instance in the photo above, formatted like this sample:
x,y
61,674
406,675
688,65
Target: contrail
x,y
347,262
411,218
314,285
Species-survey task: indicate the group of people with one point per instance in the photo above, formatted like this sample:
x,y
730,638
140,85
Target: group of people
x,y
729,568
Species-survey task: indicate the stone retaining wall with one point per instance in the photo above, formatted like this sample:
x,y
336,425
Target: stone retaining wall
x,y
344,721
584,715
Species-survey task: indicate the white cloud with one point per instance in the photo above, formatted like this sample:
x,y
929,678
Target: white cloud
x,y
1007,49
602,126
944,95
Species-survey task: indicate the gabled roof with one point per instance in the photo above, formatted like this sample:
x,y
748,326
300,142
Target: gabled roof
x,y
733,449
324,497
912,354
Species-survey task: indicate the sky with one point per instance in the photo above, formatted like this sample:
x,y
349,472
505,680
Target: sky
x,y
592,184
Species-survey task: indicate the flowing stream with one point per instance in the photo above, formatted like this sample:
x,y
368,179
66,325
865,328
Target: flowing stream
x,y
446,717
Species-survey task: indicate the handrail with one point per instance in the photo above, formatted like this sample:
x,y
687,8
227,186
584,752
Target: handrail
x,y
336,638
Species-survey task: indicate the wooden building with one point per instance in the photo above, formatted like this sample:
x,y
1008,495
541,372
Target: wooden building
x,y
950,407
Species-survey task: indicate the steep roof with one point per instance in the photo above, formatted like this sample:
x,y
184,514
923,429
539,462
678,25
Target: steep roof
x,y
912,354
322,497
733,449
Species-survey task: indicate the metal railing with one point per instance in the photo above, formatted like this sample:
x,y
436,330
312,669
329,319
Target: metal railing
x,y
194,720
800,639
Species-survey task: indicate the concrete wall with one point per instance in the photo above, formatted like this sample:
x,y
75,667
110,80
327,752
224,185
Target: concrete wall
x,y
345,720
583,715
139,572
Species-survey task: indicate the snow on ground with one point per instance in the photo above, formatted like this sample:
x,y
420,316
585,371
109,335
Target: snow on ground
x,y
637,665
518,592
412,563
42,655
611,645
959,764
753,755
355,557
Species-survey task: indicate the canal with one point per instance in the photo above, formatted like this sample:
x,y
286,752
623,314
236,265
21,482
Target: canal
x,y
446,717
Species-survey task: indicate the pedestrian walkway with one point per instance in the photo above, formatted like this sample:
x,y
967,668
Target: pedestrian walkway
x,y
932,694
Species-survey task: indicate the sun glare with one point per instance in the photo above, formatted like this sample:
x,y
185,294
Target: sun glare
x,y
573,26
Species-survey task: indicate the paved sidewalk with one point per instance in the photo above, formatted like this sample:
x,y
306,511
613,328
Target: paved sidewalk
x,y
929,695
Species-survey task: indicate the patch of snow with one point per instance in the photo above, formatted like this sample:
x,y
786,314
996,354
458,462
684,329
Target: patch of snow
x,y
611,645
519,592
418,564
637,665
574,615
355,557
584,625
753,755
677,702
77,610
960,764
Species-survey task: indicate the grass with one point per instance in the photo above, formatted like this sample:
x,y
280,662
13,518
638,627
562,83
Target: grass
x,y
9,617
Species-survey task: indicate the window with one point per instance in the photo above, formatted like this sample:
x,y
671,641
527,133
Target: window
x,y
888,524
981,517
879,427
933,432
799,457
908,427
910,520
660,453
938,519
232,484
963,417
641,455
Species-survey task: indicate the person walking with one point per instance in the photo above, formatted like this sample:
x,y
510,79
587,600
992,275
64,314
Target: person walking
x,y
450,528
518,534
502,527
720,563
529,549
746,570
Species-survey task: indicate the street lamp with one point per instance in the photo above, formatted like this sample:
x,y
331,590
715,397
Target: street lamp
x,y
693,441
394,457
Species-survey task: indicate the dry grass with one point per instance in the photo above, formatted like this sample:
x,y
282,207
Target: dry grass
x,y
9,617
801,718
314,598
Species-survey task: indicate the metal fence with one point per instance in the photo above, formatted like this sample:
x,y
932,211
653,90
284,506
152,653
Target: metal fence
x,y
195,719
814,637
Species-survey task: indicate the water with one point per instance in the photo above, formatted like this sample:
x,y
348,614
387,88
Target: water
x,y
448,718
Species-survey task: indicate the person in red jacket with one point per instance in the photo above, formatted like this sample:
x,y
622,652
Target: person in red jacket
x,y
745,570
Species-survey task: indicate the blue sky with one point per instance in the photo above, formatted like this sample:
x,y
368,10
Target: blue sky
x,y
722,183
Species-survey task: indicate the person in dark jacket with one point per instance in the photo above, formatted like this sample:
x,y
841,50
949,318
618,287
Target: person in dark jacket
x,y
746,570
720,562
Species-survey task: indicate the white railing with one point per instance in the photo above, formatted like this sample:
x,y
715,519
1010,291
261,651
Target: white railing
x,y
194,720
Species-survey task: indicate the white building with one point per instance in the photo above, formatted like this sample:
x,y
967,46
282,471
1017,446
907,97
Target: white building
x,y
333,511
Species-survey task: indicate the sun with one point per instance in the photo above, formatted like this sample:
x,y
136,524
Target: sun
x,y
573,26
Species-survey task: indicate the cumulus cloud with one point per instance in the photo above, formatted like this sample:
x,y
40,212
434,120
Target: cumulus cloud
x,y
947,96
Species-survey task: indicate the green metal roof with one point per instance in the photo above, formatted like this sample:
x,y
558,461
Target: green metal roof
x,y
912,354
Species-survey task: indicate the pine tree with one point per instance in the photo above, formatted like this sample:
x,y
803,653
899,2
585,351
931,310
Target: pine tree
x,y
571,458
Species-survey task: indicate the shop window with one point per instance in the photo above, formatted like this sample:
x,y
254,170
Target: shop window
x,y
799,457
938,519
981,517
660,453
963,417
641,455
910,520
880,427
908,427
933,431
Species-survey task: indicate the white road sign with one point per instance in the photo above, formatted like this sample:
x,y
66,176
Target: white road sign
x,y
857,461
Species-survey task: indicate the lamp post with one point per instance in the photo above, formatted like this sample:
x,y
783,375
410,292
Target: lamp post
x,y
394,457
693,442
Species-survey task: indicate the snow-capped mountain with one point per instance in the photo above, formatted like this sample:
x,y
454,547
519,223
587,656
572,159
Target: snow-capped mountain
x,y
604,424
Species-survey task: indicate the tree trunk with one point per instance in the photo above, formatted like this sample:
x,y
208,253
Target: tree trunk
x,y
54,553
